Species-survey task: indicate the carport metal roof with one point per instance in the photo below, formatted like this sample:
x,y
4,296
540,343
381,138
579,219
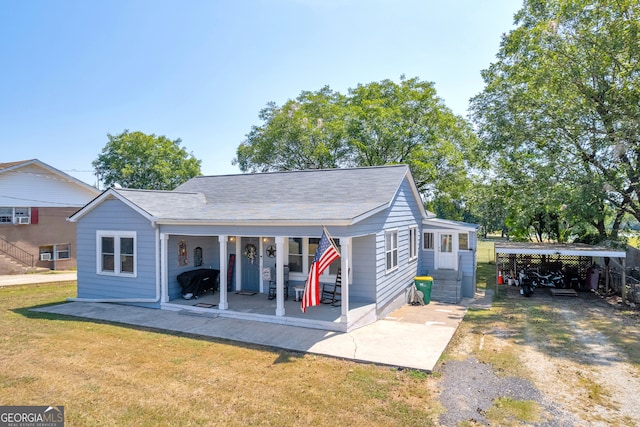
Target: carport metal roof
x,y
575,249
529,248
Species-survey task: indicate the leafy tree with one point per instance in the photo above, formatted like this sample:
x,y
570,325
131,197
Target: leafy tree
x,y
137,160
304,133
485,206
562,104
374,124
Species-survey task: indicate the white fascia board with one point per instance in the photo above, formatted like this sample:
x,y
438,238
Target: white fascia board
x,y
104,196
416,193
253,223
67,176
447,224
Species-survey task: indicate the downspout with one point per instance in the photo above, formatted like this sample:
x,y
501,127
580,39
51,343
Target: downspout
x,y
136,300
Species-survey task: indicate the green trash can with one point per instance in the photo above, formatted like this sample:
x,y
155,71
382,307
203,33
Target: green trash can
x,y
424,284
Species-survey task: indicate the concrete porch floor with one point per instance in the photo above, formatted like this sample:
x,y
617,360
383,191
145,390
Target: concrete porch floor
x,y
259,307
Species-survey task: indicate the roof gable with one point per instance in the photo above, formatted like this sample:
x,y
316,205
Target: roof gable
x,y
36,184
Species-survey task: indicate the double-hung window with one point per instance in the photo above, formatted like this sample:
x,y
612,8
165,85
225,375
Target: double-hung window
x,y
6,215
391,249
302,251
116,253
296,255
427,241
413,243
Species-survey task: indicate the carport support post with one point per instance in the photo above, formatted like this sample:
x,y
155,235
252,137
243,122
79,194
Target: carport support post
x,y
624,279
345,245
280,242
224,303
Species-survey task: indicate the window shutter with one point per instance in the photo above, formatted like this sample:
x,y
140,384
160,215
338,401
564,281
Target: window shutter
x,y
34,215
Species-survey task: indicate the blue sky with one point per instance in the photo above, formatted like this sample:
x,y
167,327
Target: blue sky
x,y
73,71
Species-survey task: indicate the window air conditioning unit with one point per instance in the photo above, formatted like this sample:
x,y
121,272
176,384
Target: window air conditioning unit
x,y
46,256
23,220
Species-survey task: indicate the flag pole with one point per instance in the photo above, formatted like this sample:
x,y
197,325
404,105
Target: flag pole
x,y
333,243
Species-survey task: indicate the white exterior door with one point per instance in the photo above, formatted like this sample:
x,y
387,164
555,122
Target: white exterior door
x,y
446,250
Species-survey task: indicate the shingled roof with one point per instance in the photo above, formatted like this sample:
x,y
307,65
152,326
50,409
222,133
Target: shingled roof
x,y
327,196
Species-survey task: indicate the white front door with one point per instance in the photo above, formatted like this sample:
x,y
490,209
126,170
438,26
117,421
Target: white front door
x,y
446,251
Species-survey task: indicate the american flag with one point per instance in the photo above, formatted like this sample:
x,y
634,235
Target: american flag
x,y
325,255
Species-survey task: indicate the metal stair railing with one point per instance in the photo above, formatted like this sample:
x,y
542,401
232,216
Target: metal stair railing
x,y
16,253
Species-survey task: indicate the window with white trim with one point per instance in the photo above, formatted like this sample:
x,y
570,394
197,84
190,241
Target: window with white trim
x,y
427,240
391,249
413,243
116,253
296,255
302,251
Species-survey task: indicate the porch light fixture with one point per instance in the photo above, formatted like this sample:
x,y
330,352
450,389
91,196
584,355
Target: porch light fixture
x,y
232,238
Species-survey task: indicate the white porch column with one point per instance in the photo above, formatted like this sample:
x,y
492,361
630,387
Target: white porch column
x,y
345,249
164,268
280,243
238,277
224,304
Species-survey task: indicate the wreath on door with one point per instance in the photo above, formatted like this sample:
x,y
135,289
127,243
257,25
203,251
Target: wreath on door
x,y
250,252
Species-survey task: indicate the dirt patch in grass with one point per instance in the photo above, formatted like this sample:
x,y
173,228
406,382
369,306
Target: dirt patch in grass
x,y
580,356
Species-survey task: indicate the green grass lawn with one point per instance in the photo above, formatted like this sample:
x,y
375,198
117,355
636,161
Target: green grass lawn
x,y
107,374
485,251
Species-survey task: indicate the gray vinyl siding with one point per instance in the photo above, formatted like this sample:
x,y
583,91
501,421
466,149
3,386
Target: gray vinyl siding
x,y
210,258
115,216
467,258
363,285
426,263
402,215
468,267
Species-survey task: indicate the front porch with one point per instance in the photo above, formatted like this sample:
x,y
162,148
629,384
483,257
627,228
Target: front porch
x,y
258,307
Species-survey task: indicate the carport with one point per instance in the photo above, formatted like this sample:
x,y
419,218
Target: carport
x,y
576,261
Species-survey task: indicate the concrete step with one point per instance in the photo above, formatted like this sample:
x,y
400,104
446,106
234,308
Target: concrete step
x,y
444,275
10,266
447,286
449,291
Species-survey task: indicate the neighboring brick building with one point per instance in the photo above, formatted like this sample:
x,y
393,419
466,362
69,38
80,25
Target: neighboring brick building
x,y
35,202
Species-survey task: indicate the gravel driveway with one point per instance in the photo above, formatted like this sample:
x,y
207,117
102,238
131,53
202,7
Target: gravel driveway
x,y
576,358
